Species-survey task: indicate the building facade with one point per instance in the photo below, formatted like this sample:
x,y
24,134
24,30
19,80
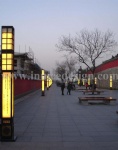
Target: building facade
x,y
107,74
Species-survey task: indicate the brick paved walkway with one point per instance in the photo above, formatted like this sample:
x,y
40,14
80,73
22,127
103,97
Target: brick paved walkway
x,y
57,122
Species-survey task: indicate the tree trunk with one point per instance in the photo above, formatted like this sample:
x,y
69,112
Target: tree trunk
x,y
93,84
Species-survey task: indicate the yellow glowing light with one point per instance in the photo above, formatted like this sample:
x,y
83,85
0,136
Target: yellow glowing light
x,y
111,81
4,41
9,46
43,84
95,80
4,46
88,81
9,61
7,71
50,81
10,56
9,41
83,82
9,35
78,81
6,95
4,67
4,35
4,61
47,81
9,67
12,95
4,56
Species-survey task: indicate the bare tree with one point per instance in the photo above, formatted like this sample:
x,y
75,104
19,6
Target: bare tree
x,y
70,63
61,70
88,46
66,68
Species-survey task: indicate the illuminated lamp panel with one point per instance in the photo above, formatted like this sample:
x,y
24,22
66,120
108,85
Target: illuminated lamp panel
x,y
95,80
7,61
12,95
6,92
47,81
110,81
43,80
7,41
42,85
7,46
78,81
88,81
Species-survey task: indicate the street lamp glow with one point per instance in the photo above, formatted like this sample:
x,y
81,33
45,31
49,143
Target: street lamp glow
x,y
47,82
7,70
78,81
43,82
50,81
95,80
88,81
111,82
6,95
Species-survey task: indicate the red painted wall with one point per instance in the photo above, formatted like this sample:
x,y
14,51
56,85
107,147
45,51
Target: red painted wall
x,y
24,86
107,65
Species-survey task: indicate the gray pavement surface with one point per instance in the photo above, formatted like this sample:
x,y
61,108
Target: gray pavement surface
x,y
59,122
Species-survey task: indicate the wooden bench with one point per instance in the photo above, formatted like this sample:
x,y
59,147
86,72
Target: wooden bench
x,y
91,91
80,89
105,100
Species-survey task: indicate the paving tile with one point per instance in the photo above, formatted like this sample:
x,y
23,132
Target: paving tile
x,y
56,122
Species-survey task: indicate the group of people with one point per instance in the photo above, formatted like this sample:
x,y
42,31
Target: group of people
x,y
91,86
69,88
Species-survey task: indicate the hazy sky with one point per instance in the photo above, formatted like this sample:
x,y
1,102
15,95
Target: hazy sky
x,y
39,23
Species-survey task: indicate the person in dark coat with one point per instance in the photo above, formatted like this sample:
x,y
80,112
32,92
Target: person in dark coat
x,y
69,88
86,85
94,86
62,88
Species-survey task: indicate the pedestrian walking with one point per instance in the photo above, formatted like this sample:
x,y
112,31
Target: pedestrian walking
x,y
62,87
86,85
69,88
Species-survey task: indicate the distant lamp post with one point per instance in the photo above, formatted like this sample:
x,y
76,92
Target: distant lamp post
x,y
88,81
95,80
7,70
47,82
111,82
83,81
78,81
50,82
80,76
43,82
80,73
